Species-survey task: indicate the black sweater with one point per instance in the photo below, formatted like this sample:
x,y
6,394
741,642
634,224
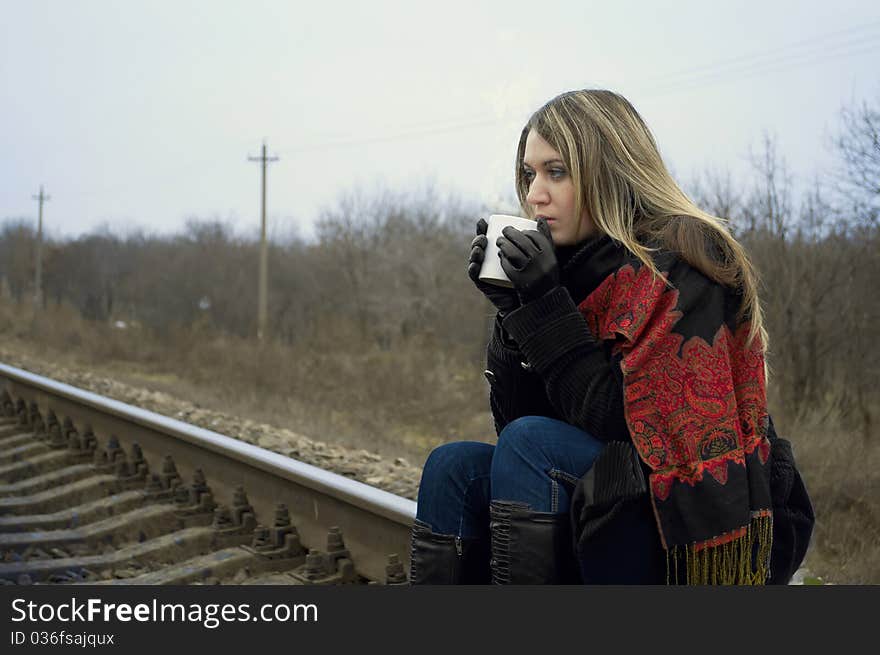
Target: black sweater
x,y
542,359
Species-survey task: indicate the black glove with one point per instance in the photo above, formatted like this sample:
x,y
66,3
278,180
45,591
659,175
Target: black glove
x,y
529,260
504,299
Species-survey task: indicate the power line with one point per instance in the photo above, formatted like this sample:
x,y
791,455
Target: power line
x,y
771,65
811,42
774,60
345,143
744,65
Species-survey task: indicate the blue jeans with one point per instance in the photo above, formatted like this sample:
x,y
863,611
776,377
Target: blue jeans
x,y
538,461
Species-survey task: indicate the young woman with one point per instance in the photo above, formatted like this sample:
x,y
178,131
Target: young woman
x,y
627,380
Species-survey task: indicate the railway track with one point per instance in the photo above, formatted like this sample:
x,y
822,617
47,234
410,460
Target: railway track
x,y
95,491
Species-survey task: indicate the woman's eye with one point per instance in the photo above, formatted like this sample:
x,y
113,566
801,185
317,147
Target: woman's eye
x,y
554,174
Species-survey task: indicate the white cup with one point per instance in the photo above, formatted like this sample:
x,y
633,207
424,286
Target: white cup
x,y
491,271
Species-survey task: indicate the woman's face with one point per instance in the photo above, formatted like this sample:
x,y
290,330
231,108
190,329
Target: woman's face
x,y
552,193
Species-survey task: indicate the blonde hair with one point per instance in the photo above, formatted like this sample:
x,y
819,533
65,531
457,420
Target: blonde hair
x,y
621,180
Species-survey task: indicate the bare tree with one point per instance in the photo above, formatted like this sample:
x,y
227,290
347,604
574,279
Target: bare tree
x,y
857,145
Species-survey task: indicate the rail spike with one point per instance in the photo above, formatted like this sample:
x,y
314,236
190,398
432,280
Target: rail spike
x,y
316,566
53,430
222,518
7,407
153,485
114,450
35,420
394,571
68,432
283,534
181,495
75,443
262,539
334,540
169,476
199,493
139,466
21,412
242,513
282,516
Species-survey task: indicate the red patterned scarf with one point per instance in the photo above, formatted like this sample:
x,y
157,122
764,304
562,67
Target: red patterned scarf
x,y
695,404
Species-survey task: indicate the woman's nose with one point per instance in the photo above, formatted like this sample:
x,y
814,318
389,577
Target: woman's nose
x,y
537,194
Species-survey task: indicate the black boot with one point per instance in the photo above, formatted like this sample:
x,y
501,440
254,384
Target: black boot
x,y
447,559
530,547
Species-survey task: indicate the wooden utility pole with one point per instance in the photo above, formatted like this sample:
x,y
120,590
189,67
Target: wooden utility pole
x,y
38,275
262,302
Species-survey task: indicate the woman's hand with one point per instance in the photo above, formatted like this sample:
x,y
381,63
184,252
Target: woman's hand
x,y
529,260
504,299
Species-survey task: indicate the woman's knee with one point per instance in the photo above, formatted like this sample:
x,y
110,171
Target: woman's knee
x,y
520,434
546,446
457,459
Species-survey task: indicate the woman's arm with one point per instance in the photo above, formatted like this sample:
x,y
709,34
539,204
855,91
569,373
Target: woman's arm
x,y
513,390
583,382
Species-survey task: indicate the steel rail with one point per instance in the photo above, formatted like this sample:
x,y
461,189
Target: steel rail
x,y
374,523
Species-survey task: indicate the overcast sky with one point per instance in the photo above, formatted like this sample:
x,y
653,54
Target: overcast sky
x,y
143,113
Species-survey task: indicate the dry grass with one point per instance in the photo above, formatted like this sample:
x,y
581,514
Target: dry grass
x,y
411,398
842,473
399,402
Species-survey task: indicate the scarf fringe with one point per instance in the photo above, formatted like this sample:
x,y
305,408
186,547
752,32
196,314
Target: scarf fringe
x,y
735,562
